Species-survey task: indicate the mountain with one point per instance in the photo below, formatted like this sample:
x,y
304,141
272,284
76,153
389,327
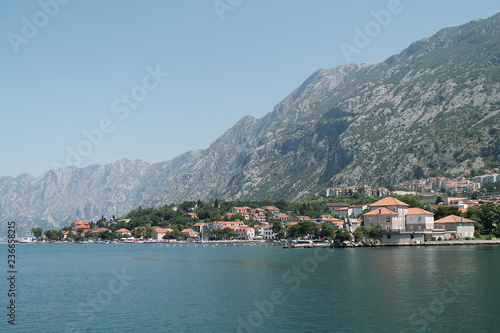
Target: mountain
x,y
64,194
432,109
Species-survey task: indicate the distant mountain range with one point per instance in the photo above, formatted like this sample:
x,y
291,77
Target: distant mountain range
x,y
432,109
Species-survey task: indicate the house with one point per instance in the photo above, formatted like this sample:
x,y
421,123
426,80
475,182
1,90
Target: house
x,y
358,210
268,233
157,233
333,191
389,213
191,215
198,227
66,234
259,217
351,224
189,233
259,229
302,218
123,232
82,225
96,232
418,219
333,206
209,227
336,223
344,212
241,210
232,227
245,232
455,226
271,209
282,217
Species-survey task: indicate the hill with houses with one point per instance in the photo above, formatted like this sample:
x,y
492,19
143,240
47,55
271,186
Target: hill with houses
x,y
432,109
400,220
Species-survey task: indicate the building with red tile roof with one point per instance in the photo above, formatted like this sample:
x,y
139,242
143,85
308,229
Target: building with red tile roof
x,y
123,232
158,233
82,225
456,226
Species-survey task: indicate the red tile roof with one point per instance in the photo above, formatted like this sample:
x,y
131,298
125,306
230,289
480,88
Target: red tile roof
x,y
382,211
418,211
389,201
453,219
162,230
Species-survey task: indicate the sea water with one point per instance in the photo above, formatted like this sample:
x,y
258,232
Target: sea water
x,y
153,288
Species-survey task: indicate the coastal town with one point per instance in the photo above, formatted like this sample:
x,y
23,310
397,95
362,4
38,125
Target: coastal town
x,y
415,212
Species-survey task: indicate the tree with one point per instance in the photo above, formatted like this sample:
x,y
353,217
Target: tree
x,y
53,234
236,217
375,232
487,218
281,204
307,228
106,235
412,201
342,235
360,233
224,233
251,222
293,231
277,227
37,231
327,230
443,211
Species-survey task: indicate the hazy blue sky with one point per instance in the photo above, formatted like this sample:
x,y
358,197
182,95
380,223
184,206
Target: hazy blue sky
x,y
67,67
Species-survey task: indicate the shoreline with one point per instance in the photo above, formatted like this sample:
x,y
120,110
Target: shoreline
x,y
288,245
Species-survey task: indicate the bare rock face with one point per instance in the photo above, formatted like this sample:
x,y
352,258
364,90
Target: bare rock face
x,y
64,194
433,108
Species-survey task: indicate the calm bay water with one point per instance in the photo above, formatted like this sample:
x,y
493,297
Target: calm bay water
x,y
146,288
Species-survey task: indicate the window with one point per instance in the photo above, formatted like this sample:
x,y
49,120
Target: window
x,y
387,219
388,236
388,228
411,227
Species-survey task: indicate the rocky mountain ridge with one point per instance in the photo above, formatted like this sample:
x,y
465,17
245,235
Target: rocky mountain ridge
x,y
433,108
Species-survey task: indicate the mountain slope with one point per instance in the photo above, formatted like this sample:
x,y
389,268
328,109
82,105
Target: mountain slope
x,y
434,108
64,194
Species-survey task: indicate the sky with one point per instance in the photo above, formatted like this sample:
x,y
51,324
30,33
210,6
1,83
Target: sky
x,y
92,82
